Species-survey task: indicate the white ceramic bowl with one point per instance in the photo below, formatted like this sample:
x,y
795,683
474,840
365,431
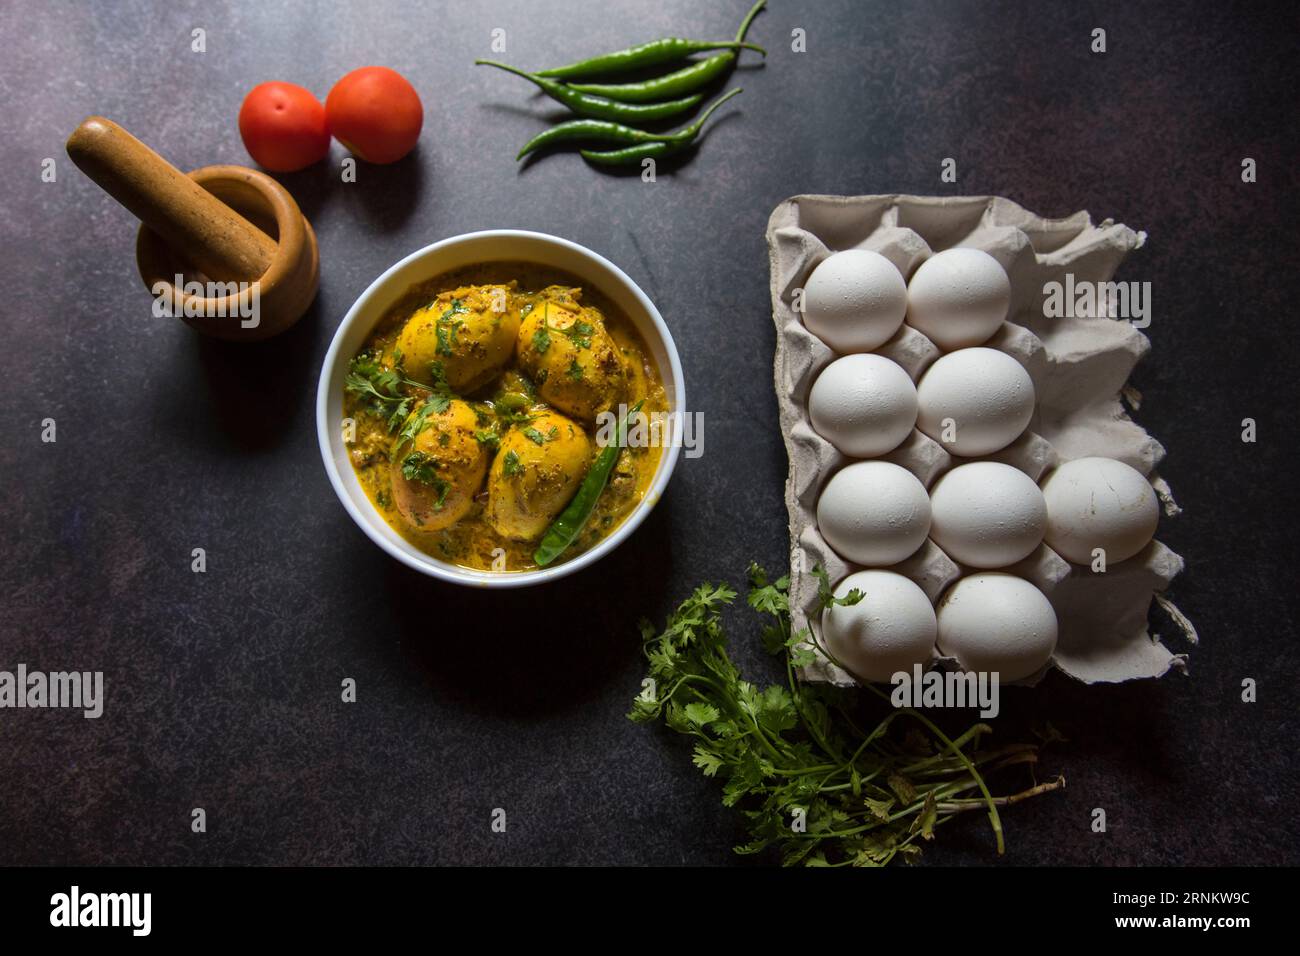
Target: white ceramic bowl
x,y
497,245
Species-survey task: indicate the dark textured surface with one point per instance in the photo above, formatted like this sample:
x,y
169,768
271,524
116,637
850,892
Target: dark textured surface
x,y
223,688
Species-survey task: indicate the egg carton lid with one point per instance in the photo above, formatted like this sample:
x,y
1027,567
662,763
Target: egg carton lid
x,y
1080,368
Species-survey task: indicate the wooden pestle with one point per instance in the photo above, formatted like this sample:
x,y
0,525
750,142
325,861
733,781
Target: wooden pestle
x,y
201,228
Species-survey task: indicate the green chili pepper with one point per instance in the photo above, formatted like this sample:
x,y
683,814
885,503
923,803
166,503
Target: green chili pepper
x,y
631,155
674,143
598,130
597,107
647,54
564,530
673,84
616,132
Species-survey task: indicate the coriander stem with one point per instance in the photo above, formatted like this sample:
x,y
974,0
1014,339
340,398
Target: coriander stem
x,y
803,718
994,819
957,806
722,695
973,733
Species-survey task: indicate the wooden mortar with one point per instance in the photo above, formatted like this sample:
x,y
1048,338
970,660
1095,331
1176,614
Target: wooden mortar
x,y
219,224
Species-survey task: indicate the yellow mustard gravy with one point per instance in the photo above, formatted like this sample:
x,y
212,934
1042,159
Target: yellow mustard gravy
x,y
472,542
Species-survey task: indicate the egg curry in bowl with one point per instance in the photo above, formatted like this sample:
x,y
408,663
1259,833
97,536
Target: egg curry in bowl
x,y
476,410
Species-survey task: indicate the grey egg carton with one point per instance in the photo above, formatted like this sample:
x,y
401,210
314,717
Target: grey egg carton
x,y
1080,368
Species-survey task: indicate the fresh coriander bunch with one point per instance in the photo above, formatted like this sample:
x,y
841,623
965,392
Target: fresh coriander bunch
x,y
807,778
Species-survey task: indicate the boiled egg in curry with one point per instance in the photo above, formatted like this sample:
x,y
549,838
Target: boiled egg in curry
x,y
438,465
469,332
536,472
566,350
475,404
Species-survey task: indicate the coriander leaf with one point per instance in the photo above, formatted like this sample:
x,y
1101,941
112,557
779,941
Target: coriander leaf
x,y
826,594
579,333
417,466
541,340
417,423
447,328
643,711
804,657
383,390
438,373
399,413
710,763
701,714
902,787
879,808
925,820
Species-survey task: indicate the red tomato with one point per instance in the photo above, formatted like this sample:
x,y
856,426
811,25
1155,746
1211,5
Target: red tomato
x,y
375,113
283,127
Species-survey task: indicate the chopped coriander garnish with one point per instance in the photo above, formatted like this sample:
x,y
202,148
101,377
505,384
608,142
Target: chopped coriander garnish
x,y
574,371
420,420
448,326
441,486
438,375
511,466
421,467
381,388
541,340
446,335
579,334
417,466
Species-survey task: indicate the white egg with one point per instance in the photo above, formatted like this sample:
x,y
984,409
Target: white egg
x,y
997,623
987,515
958,298
890,630
855,300
864,405
1099,503
975,401
874,513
